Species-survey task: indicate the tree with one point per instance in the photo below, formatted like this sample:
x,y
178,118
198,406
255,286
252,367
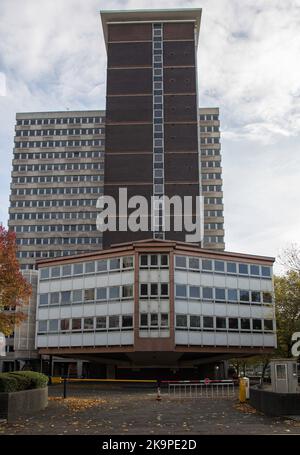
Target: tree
x,y
287,298
289,258
15,291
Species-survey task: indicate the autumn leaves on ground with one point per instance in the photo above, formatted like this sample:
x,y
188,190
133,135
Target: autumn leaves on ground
x,y
93,409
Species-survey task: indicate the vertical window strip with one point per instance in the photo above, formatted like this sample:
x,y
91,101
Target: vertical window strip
x,y
158,144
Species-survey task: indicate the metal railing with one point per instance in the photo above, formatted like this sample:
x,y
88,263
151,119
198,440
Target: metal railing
x,y
202,389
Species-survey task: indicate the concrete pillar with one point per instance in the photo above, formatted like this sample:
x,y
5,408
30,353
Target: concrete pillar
x,y
110,371
79,368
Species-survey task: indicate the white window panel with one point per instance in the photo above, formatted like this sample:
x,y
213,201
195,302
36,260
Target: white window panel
x,y
114,308
181,306
76,339
42,341
208,338
208,309
88,309
127,337
246,339
65,340
221,309
54,313
195,308
77,311
234,339
101,339
219,281
114,338
221,339
88,339
127,307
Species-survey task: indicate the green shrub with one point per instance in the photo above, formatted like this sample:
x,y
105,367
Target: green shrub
x,y
36,380
8,383
22,380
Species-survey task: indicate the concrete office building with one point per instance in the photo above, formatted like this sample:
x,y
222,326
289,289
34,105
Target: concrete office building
x,y
154,140
155,308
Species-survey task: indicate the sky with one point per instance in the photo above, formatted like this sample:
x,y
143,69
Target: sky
x,y
52,57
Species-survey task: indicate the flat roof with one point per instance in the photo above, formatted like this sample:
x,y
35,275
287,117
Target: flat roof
x,y
155,245
150,15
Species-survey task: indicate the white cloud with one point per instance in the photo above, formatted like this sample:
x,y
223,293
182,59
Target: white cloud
x,y
53,56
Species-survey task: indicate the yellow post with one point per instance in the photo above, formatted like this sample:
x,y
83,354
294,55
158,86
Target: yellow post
x,y
242,391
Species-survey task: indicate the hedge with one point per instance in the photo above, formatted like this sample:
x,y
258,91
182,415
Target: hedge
x,y
22,380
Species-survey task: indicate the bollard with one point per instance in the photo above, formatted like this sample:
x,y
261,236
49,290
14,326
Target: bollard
x,y
158,397
65,387
242,391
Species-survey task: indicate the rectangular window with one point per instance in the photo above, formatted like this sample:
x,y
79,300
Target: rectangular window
x,y
164,319
77,296
114,264
194,263
55,272
144,290
243,269
66,297
76,324
195,322
66,270
64,324
207,293
232,295
164,289
43,299
267,297
53,325
208,322
113,322
101,323
153,289
102,265
207,264
194,292
256,324
88,323
220,294
127,321
44,274
154,319
127,262
255,296
144,260
90,267
181,320
233,323
114,292
268,324
221,323
101,293
164,260
154,260
144,319
127,291
180,262
266,271
89,294
245,324
42,326
244,296
54,298
231,267
219,266
78,269
254,270
180,290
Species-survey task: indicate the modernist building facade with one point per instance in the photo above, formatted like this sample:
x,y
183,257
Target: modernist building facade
x,y
153,140
155,306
